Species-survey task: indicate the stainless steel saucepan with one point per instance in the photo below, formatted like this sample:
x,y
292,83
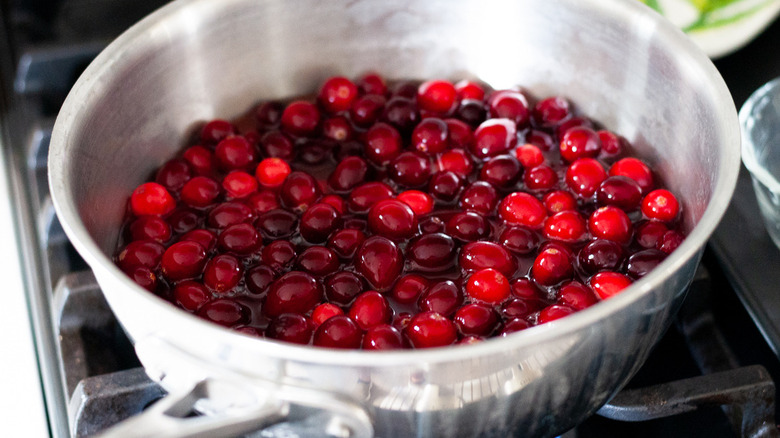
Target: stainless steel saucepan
x,y
194,60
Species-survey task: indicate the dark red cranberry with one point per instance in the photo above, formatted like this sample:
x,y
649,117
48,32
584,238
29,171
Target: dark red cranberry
x,y
278,254
324,312
239,239
635,169
144,277
216,130
472,111
552,266
541,139
443,297
276,224
410,169
262,201
566,226
151,199
183,220
432,252
337,128
348,174
367,109
368,194
501,171
290,327
342,287
293,292
300,118
455,160
318,260
183,260
520,308
519,240
409,288
488,286
514,325
468,226
225,312
235,153
494,137
173,174
524,288
407,89
383,144
480,197
345,243
573,122
445,186
239,184
372,83
249,330
392,219
576,295
200,159
541,177
648,233
460,134
476,256
607,284
337,94
578,143
558,201
619,191
206,238
431,224
670,241
150,228
338,332
318,222
380,261
200,191
584,176
430,329
222,273
601,255
551,313
437,97
509,104
274,144
642,262
402,113
610,223
520,208
476,319
370,309
299,190
314,151
382,337
551,111
190,295
258,278
229,213
269,114
430,136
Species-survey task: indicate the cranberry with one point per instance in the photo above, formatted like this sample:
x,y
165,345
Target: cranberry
x,y
225,312
509,104
249,330
541,177
222,273
669,241
437,97
566,226
370,309
455,160
430,136
553,312
318,222
150,228
445,186
576,295
342,287
520,308
460,134
240,239
190,295
489,286
519,240
337,94
402,114
524,288
480,197
348,174
278,254
383,144
608,284
277,224
144,277
382,337
558,201
206,238
476,319
514,325
235,153
200,191
200,159
173,174
601,255
467,89
315,151
229,213
293,292
368,194
648,233
541,139
619,191
367,109
338,332
318,260
573,122
579,143
551,111
184,220
324,312
263,201
337,128
660,205
300,118
411,169
345,243
584,176
471,112
520,208
269,114
481,255
380,261
290,327
501,171
443,297
151,199
275,144
216,130
611,144
494,137
393,219
610,223
642,262
299,190
431,224
552,266
271,172
432,252
372,83
430,329
529,155
183,260
468,226
409,288
239,184
635,169
420,202
258,278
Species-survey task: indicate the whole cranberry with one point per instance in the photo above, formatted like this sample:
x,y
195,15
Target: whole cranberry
x,y
430,329
190,295
578,143
437,97
241,239
648,233
150,228
455,160
524,288
380,261
183,260
258,278
520,208
443,297
278,254
471,111
635,169
488,286
290,327
151,199
612,145
299,190
324,312
383,144
432,252
300,118
410,169
566,226
184,220
239,184
670,241
216,130
275,144
558,201
551,313
468,89
271,172
541,139
382,337
174,174
409,288
144,277
430,136
468,226
269,114
337,94
576,295
445,186
541,177
206,238
318,260
660,205
372,83
392,219
494,137
610,223
342,287
501,171
401,112
318,222
348,174
480,197
420,202
367,109
519,240
222,273
601,255
584,176
337,128
520,308
200,191
226,312
277,224
368,194
262,201
620,191
476,256
514,325
642,262
293,292
551,111
607,284
552,266
200,159
234,153
509,104
338,332
370,309
476,319
229,213
460,134
345,243
529,155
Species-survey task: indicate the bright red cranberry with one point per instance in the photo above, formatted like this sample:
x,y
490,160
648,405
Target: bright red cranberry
x,y
467,89
566,226
443,297
619,191
183,260
430,329
540,139
300,118
274,144
520,308
151,199
437,97
150,228
335,201
372,83
541,177
409,288
410,169
460,134
240,239
584,176
324,312
337,128
670,241
184,220
200,159
229,213
345,243
383,144
290,327
271,172
514,325
520,208
225,312
610,223
382,337
576,295
501,171
660,205
420,202
432,252
494,137
293,292
648,233
402,113
364,196
611,144
216,130
277,224
529,155
337,94
551,111
239,184
338,332
579,143
455,160
642,262
558,201
574,122
318,260
608,284
393,219
318,222
370,309
173,174
445,186
342,287
144,277
206,238
367,109
269,114
235,153
278,254
430,136
262,201
476,256
200,191
190,295
380,261
480,197
552,266
635,169
601,255
476,319
348,174
258,278
551,313
489,286
468,226
299,190
519,240
509,104
222,273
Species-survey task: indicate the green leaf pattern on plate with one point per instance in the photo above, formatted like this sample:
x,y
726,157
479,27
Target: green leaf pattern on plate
x,y
714,13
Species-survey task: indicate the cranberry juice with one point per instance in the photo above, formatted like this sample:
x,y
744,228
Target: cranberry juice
x,y
419,215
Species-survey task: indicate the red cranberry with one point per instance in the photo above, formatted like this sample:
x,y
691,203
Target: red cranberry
x,y
494,137
437,97
514,325
393,219
277,224
190,295
430,136
489,286
619,191
318,222
183,260
566,226
431,224
541,177
402,114
206,238
501,171
553,312
234,153
432,252
348,174
611,144
430,329
290,327
519,240
337,128
262,201
173,174
144,277
455,160
269,114
541,139
520,208
401,320
338,332
258,278
315,150
383,144
468,226
551,111
367,109
467,89
299,190
278,254
335,201
648,233
183,220
222,273
150,228
445,186
342,287
337,94
318,260
610,223
642,262
509,104
608,284
601,255
200,191
293,292
368,194
471,112
529,155
239,239
370,309
200,159
372,83
443,297
410,169
578,143
558,201
573,122
300,118
216,130
151,199
239,184
584,176
480,197
229,213
420,202
380,261
249,330
524,288
481,255
476,319
635,169
225,312
324,312
346,242
382,337
669,241
409,288
275,144
660,205
552,266
520,308
271,172
460,134
576,295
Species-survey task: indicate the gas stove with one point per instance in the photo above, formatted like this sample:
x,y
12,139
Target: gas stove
x,y
712,374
